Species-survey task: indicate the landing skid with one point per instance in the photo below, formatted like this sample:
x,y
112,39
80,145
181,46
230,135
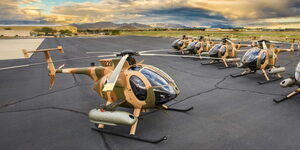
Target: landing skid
x,y
280,100
180,110
240,75
154,141
177,109
268,81
296,92
210,63
226,67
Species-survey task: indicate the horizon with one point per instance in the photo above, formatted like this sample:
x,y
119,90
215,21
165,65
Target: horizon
x,y
191,13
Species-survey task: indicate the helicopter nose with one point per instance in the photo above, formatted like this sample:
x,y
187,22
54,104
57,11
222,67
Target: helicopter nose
x,y
164,94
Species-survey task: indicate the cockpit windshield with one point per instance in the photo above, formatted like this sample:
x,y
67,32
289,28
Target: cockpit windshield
x,y
163,90
297,72
216,48
252,54
177,42
191,46
154,78
198,45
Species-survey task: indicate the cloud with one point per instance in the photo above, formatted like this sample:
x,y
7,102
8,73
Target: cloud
x,y
12,10
188,12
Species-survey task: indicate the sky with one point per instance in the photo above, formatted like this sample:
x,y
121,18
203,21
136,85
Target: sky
x,y
185,12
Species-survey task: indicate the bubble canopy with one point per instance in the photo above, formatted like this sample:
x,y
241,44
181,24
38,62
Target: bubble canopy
x,y
297,72
252,55
163,91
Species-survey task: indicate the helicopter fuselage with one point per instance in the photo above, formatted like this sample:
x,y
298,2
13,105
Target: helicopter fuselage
x,y
141,86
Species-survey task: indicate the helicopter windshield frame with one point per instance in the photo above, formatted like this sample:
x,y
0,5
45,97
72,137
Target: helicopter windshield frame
x,y
154,78
297,72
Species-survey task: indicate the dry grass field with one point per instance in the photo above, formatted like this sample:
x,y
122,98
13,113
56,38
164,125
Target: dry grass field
x,y
240,35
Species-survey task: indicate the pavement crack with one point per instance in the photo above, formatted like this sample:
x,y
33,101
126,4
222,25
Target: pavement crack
x,y
241,90
36,96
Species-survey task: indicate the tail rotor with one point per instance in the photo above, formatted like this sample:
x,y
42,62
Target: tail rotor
x,y
51,67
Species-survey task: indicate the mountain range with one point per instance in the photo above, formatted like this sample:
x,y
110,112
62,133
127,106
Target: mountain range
x,y
129,26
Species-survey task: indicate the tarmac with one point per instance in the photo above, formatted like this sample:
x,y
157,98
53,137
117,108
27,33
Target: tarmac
x,y
229,113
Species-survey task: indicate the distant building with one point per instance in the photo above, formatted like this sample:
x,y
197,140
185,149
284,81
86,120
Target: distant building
x,y
32,27
11,33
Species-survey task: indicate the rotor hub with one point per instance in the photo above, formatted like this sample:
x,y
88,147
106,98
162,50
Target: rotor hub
x,y
128,52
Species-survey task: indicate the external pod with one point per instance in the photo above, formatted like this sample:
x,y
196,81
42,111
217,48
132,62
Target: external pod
x,y
276,70
287,82
233,60
112,117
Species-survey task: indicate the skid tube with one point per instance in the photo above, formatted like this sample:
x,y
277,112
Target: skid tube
x,y
211,63
178,109
133,137
226,67
280,100
240,74
268,81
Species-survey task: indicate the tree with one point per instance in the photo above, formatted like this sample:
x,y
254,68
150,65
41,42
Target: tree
x,y
65,32
48,31
37,30
115,32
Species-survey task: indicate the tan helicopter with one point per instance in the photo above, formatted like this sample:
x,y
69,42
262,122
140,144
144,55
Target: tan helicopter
x,y
198,46
180,45
290,82
122,82
264,58
224,52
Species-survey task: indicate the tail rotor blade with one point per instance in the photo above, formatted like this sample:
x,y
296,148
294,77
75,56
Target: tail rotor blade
x,y
52,81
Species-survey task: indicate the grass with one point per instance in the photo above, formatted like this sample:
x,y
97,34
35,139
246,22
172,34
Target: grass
x,y
241,35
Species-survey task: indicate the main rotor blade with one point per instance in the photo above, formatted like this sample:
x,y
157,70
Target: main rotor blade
x,y
182,56
264,45
229,41
61,60
169,55
276,42
154,50
101,52
110,84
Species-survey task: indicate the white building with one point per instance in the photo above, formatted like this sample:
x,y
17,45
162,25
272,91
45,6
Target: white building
x,y
12,33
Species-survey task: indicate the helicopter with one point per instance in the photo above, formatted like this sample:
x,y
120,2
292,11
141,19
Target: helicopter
x,y
121,82
264,58
290,82
226,52
180,45
197,47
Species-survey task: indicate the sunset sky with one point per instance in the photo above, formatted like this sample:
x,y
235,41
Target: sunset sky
x,y
186,12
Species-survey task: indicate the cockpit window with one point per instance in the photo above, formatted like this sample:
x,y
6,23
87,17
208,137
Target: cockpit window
x,y
216,48
297,72
138,87
198,45
134,68
154,78
191,45
252,55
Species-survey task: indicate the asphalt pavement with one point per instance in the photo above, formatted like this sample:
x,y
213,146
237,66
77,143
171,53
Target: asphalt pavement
x,y
229,113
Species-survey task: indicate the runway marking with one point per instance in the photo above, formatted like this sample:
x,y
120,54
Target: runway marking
x,y
20,66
